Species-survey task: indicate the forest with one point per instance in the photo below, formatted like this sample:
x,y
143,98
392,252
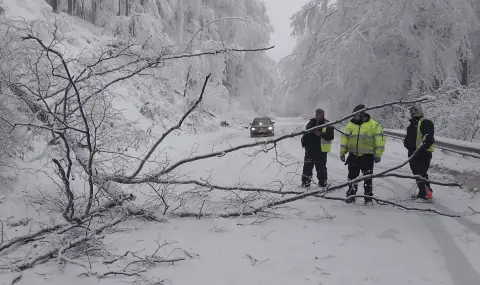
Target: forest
x,y
351,52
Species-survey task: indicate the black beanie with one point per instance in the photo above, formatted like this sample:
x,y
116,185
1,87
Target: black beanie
x,y
358,108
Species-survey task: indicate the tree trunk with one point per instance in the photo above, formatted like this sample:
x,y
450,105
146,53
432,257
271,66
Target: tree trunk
x,y
127,7
54,4
70,7
464,79
93,15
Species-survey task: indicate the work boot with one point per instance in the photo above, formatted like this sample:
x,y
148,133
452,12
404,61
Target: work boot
x,y
429,193
352,190
368,193
426,194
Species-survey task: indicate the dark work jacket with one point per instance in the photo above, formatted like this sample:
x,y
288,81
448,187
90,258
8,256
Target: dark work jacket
x,y
311,142
427,128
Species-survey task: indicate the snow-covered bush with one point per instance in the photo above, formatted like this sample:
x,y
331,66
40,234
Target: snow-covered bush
x,y
456,111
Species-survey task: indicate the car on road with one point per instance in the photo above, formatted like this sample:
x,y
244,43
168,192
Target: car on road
x,y
263,126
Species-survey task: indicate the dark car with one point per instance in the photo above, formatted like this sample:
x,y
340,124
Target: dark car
x,y
262,127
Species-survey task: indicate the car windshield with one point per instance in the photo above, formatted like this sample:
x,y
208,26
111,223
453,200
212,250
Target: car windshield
x,y
263,121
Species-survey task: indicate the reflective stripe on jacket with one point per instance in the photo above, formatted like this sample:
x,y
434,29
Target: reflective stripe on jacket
x,y
420,136
367,138
326,146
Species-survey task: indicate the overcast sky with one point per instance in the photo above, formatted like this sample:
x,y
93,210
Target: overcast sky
x,y
279,12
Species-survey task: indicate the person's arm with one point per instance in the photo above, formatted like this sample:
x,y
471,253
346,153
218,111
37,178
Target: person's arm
x,y
428,129
344,141
306,136
379,141
329,134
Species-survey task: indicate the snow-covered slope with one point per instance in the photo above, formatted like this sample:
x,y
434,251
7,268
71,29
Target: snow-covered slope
x,y
157,96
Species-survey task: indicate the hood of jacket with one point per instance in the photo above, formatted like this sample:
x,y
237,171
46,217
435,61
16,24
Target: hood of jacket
x,y
359,122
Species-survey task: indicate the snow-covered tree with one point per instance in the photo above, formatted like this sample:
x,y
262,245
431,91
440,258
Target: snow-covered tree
x,y
193,25
352,52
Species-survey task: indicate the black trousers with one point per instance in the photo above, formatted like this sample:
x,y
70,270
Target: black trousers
x,y
364,164
419,166
319,161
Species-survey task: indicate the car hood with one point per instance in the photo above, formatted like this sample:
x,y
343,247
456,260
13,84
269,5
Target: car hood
x,y
259,126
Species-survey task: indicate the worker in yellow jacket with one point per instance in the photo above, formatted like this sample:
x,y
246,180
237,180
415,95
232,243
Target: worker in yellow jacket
x,y
364,142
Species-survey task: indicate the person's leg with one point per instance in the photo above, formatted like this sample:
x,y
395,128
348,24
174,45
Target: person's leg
x,y
422,166
414,167
308,164
353,172
427,167
366,165
417,165
321,167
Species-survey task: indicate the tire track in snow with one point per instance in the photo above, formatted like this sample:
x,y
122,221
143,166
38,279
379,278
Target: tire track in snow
x,y
459,266
474,227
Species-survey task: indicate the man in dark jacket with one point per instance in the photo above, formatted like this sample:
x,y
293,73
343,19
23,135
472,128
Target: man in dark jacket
x,y
317,144
420,135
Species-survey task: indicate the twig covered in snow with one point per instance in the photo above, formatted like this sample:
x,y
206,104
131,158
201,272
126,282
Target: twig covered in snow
x,y
1,232
91,144
27,237
17,279
176,127
51,253
216,187
60,228
222,19
383,201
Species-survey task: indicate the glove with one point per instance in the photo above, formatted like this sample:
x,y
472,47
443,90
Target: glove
x,y
342,157
377,159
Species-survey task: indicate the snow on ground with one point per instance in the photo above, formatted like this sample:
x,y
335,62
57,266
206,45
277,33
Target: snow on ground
x,y
311,241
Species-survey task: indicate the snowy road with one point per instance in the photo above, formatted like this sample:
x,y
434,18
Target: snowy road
x,y
313,241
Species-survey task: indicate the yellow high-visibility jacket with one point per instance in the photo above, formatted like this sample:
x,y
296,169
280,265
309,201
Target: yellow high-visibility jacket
x,y
367,138
420,137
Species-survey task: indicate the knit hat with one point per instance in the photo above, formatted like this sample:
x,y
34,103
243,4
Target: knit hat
x,y
319,110
358,108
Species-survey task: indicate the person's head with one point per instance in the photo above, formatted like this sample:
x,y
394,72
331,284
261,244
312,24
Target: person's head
x,y
360,116
319,114
416,110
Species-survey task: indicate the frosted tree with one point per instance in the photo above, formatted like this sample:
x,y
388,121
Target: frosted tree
x,y
193,25
372,51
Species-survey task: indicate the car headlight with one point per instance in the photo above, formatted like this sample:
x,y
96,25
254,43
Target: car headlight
x,y
253,129
270,128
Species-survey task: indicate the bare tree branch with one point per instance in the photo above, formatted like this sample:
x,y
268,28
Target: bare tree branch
x,y
216,20
176,127
59,250
378,200
69,209
90,145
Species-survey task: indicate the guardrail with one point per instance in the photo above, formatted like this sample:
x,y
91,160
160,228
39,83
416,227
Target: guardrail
x,y
449,145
